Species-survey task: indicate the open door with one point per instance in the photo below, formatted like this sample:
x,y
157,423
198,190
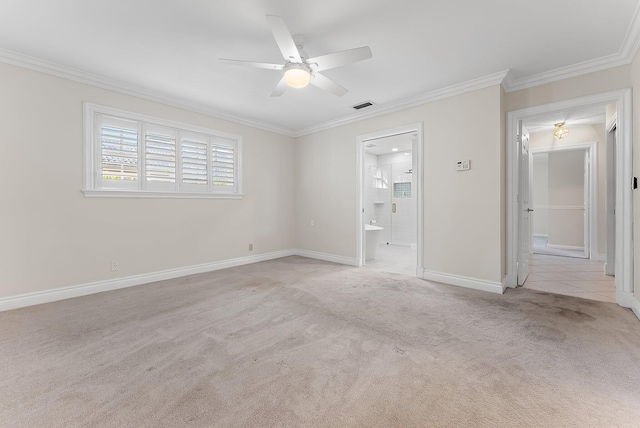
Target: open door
x,y
610,265
587,206
524,228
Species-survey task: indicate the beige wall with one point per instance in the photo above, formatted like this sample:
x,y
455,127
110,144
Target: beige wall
x,y
540,194
463,215
52,236
566,193
589,84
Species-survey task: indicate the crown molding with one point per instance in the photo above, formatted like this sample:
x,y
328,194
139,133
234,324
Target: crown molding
x,y
625,55
377,110
599,64
25,61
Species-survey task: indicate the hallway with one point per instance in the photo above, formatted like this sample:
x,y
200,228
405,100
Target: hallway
x,y
571,277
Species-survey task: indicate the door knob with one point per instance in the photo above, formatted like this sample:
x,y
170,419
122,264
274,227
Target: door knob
x,y
529,209
393,208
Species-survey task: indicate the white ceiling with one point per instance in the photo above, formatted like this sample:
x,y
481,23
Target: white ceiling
x,y
582,116
168,50
385,145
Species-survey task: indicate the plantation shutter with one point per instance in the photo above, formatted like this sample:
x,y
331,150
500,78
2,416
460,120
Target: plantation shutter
x,y
118,152
194,161
160,158
223,166
133,155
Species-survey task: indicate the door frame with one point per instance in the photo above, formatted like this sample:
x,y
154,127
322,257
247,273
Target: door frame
x,y
624,173
417,161
591,226
610,183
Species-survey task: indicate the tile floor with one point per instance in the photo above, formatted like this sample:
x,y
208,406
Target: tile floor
x,y
571,277
553,274
394,258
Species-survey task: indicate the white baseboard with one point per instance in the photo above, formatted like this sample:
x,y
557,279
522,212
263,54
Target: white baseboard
x,y
461,281
327,257
599,257
635,307
538,235
30,299
47,296
509,281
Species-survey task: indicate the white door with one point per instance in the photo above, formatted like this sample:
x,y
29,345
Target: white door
x,y
587,204
609,267
524,228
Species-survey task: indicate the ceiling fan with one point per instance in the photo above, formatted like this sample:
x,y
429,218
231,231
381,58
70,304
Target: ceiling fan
x,y
299,69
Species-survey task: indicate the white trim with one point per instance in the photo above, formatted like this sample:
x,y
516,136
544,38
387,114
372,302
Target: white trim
x,y
462,281
575,70
635,307
565,247
327,257
624,230
565,207
30,299
418,167
92,183
76,75
598,257
121,193
539,235
625,55
378,110
47,296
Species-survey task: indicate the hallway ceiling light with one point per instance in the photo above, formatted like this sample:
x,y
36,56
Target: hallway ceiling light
x,y
560,131
395,149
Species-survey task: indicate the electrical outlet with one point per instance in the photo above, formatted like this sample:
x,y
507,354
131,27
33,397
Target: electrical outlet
x,y
250,247
114,266
313,223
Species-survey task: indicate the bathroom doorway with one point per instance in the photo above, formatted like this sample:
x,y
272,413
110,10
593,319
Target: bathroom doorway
x,y
390,200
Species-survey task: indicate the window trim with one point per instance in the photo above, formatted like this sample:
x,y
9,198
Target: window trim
x,y
92,158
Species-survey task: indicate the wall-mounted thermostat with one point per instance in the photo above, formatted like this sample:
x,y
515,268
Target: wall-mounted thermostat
x,y
463,165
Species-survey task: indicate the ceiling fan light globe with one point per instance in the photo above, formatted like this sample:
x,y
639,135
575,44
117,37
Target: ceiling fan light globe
x,y
297,77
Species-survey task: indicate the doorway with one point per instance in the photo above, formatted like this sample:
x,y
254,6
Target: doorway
x,y
515,256
390,200
564,197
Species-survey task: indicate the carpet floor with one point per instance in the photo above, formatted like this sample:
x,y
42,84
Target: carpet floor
x,y
299,342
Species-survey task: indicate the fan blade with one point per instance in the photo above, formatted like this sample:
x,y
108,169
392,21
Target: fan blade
x,y
280,88
338,59
327,84
284,39
251,64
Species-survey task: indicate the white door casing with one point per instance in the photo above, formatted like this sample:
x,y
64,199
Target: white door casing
x,y
624,174
415,129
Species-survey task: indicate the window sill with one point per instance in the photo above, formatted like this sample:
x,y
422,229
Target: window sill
x,y
111,193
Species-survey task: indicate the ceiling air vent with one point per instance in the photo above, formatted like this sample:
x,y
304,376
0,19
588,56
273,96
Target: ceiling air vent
x,y
363,105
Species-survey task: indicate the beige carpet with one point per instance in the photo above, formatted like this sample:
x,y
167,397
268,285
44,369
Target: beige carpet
x,y
297,342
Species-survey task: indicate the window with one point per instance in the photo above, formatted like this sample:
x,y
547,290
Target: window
x,y
127,154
